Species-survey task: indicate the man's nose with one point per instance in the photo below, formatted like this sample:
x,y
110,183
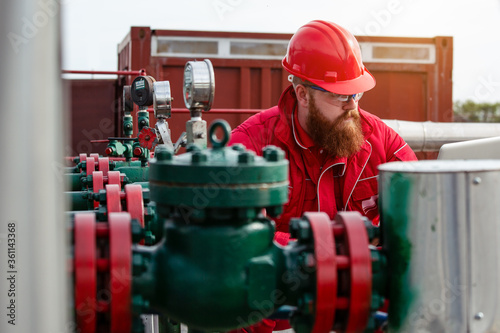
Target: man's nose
x,y
350,104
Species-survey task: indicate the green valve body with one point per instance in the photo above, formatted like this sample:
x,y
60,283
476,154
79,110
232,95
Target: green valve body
x,y
217,247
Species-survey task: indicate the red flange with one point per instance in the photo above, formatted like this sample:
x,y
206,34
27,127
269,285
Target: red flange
x,y
326,271
90,166
104,165
360,269
114,178
95,156
97,184
85,271
120,262
113,202
135,204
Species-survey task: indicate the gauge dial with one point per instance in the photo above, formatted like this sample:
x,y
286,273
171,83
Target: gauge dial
x,y
199,85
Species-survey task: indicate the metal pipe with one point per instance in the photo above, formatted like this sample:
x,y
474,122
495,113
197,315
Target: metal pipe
x,y
140,72
32,229
430,136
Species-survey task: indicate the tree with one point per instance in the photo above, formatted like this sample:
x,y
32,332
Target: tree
x,y
477,112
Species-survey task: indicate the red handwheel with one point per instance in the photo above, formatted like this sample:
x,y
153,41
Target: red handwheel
x,y
120,262
85,271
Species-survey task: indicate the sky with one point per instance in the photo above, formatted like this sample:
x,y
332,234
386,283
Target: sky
x,y
92,29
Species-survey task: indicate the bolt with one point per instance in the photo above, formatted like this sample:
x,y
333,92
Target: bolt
x,y
273,154
238,147
102,196
163,154
200,135
300,229
139,265
198,157
476,180
246,157
479,316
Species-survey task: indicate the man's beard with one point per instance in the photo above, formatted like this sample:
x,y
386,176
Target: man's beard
x,y
338,138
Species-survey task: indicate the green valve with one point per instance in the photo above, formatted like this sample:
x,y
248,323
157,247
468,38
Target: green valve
x,y
220,178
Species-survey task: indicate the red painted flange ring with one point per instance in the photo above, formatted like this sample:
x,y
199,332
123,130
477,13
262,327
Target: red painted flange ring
x,y
114,178
104,165
97,184
326,271
95,156
113,201
135,205
90,166
120,262
85,271
360,270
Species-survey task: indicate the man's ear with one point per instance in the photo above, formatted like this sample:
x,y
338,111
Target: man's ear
x,y
302,96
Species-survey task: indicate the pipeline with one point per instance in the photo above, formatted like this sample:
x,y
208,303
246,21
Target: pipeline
x,y
430,136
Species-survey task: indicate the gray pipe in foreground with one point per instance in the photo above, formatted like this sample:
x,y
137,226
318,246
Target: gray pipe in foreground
x,y
33,284
430,136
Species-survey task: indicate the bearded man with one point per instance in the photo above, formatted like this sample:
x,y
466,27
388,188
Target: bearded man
x,y
333,146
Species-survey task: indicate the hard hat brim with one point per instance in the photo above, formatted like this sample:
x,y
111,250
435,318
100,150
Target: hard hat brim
x,y
360,84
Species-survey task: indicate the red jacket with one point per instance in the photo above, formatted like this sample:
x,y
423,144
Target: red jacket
x,y
357,175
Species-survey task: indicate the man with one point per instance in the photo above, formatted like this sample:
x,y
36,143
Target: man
x,y
333,146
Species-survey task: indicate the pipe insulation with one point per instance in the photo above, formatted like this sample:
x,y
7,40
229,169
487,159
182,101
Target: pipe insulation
x,y
430,136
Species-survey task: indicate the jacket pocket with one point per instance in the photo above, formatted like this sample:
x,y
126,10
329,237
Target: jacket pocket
x,y
365,196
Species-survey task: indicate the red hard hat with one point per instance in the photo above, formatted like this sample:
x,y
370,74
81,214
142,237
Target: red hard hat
x,y
328,55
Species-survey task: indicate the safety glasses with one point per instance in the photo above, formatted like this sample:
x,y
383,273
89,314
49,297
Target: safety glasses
x,y
337,97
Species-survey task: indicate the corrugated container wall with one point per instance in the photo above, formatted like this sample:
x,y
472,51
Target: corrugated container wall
x,y
414,75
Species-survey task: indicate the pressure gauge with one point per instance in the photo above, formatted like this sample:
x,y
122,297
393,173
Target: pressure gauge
x,y
142,90
199,85
162,101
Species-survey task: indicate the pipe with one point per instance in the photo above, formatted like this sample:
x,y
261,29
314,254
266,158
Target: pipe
x,y
430,136
31,145
140,72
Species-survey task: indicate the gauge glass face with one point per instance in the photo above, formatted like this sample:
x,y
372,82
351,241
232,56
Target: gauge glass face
x,y
188,86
